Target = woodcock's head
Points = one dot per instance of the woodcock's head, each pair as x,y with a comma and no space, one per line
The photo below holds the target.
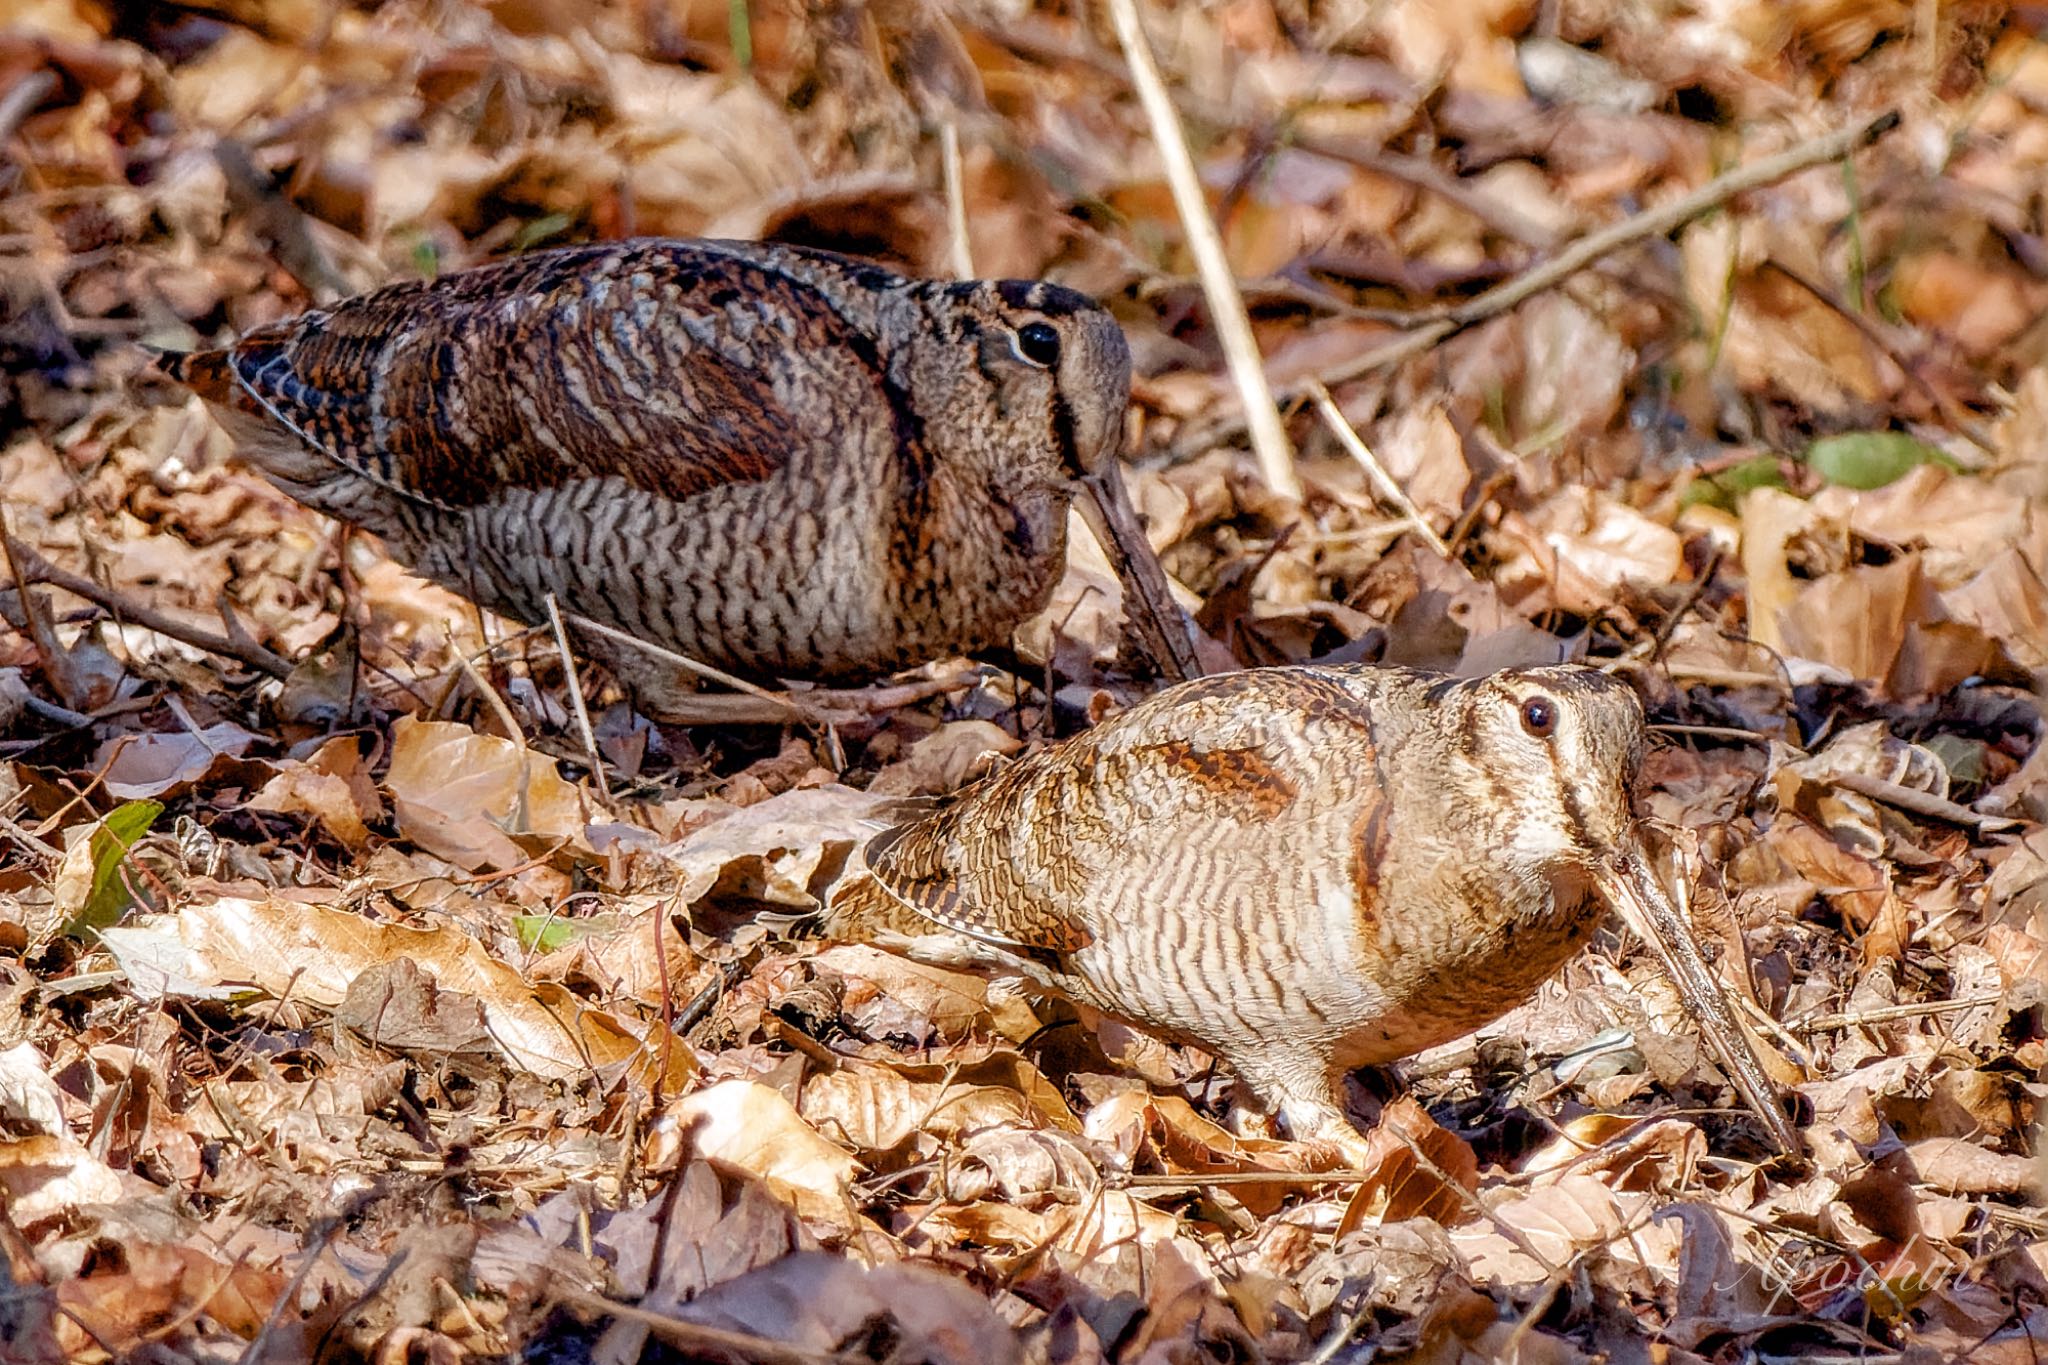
1551,756
1025,385
1542,763
1035,375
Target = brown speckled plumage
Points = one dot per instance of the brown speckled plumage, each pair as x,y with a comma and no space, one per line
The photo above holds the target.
1303,870
773,460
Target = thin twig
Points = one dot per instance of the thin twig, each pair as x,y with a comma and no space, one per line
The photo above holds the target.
1712,732
22,98
1670,217
1224,1179
822,707
1340,1336
1693,593
759,706
61,715
1226,305
1887,1013
27,841
323,1234
1921,803
689,665
1419,172
1469,1198
1707,675
494,701
796,1040
1789,1045
245,650
35,615
1041,43
1348,437
956,201
1584,251
696,1337
576,698
1952,412
298,247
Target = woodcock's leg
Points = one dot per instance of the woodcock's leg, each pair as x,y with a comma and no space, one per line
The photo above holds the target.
1304,1091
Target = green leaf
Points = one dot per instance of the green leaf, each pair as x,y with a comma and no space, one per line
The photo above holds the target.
537,230
1965,759
426,257
110,898
545,933
1871,459
1724,488
739,26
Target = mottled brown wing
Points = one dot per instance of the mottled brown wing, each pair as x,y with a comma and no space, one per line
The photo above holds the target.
956,869
654,362
1011,862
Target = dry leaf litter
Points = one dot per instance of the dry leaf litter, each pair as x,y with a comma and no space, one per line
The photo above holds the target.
348,1014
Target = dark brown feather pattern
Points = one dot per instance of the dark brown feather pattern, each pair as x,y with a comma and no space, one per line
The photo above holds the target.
774,460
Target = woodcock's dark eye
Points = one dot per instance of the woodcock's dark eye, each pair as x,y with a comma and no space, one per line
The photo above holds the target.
1039,343
1539,716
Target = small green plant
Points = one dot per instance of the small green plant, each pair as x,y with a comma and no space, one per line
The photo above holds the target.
111,896
1724,488
1871,459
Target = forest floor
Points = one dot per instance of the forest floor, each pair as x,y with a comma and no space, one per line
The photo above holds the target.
361,1001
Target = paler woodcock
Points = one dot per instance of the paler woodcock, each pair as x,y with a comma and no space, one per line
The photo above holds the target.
1304,870
775,461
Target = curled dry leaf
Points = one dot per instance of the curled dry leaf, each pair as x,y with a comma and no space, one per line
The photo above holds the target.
780,850
395,1005
333,786
320,1116
815,1301
1423,451
1624,1151
616,954
1562,1222
313,953
1725,1283
1770,518
946,759
1576,551
1415,1170
751,1126
1166,1129
719,1224
1007,1234
887,996
873,1110
1962,1167
466,797
53,1177
138,766
1571,385
29,1100
1020,1166
154,1282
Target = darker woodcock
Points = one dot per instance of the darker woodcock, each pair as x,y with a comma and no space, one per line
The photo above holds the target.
775,461
1303,870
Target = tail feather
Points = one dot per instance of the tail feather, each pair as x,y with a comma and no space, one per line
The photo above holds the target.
861,911
210,374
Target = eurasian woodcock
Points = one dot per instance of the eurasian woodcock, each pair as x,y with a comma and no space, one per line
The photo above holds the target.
776,461
1303,870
